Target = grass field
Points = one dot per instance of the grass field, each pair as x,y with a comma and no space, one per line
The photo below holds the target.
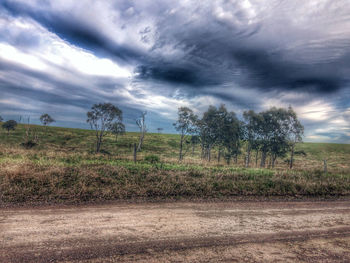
64,168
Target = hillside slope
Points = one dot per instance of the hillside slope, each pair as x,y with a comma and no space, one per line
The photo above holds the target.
64,168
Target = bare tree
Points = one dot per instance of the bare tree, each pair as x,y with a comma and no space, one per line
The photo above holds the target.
31,136
101,118
143,129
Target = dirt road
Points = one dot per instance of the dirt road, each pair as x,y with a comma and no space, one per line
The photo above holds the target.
178,232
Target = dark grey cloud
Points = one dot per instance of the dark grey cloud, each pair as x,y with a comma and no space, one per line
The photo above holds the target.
247,54
213,51
72,29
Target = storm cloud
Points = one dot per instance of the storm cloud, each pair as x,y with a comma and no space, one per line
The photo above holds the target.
159,55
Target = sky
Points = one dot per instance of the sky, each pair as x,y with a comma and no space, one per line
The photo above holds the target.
61,57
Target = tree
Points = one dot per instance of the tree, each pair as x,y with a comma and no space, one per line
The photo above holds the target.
272,132
9,126
194,141
159,130
250,134
1,119
222,128
185,125
208,131
117,128
46,119
231,135
295,133
31,135
228,131
101,118
140,122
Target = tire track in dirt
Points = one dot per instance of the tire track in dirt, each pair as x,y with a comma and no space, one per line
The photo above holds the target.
105,248
116,232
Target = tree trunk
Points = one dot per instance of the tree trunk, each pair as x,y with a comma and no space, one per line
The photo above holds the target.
209,153
99,141
256,158
273,160
236,158
269,165
291,157
181,145
219,155
247,158
192,149
142,135
263,159
135,152
98,145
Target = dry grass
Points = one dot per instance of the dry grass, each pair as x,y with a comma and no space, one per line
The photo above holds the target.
63,168
61,179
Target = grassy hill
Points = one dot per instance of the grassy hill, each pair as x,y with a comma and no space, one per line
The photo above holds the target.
64,168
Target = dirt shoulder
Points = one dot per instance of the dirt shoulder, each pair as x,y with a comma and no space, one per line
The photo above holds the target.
178,231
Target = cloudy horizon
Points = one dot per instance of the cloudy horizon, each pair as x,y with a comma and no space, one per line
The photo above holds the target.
60,57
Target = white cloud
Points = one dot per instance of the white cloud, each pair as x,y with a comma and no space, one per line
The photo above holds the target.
14,55
50,53
317,110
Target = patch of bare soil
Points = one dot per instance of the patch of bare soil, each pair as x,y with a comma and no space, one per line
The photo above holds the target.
178,232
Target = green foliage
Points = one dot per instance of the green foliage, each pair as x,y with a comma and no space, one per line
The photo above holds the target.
117,128
46,119
101,118
186,125
152,158
9,125
29,144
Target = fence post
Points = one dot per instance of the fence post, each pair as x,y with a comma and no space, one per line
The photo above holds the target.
135,152
325,166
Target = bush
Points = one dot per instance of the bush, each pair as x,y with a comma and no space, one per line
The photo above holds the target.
29,144
301,152
152,158
195,173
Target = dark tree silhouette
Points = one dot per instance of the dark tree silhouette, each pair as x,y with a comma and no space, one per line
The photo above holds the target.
9,126
46,119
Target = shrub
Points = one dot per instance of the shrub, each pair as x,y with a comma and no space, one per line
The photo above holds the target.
195,173
29,144
152,158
